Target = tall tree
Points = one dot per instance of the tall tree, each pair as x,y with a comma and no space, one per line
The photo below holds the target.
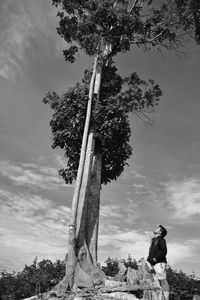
90,121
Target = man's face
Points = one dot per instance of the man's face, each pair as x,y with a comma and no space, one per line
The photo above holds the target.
157,231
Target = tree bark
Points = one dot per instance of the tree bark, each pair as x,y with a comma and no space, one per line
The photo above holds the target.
82,239
92,224
71,257
87,273
83,229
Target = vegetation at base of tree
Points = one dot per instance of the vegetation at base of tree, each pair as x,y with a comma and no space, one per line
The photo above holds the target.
41,276
37,278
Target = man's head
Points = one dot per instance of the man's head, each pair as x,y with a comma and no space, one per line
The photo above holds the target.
160,231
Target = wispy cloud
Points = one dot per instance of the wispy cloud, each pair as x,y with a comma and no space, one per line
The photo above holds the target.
114,214
120,243
25,26
184,199
110,211
32,208
33,175
119,239
31,226
180,251
137,174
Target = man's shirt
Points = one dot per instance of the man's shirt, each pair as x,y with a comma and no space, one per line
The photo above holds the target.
157,251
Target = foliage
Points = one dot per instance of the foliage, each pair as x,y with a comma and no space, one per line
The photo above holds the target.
118,98
189,14
182,285
92,26
42,276
111,265
89,25
37,278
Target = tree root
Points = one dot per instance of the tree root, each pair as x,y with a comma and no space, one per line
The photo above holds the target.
119,291
90,284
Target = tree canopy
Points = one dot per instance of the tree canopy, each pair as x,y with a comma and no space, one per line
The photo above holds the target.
90,25
110,122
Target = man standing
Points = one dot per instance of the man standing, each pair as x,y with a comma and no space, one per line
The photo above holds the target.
157,259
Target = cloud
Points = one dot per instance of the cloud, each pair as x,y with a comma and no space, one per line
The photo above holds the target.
25,26
116,237
30,226
31,208
120,243
138,186
137,174
22,205
110,211
119,239
33,175
184,199
59,160
178,252
112,215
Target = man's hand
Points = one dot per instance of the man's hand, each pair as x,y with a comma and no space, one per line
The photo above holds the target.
154,259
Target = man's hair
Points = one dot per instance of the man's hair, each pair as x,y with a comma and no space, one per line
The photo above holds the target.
163,231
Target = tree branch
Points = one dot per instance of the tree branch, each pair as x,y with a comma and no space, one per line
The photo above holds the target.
134,6
144,118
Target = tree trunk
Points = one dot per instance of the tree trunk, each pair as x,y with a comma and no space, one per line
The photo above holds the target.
87,272
71,257
81,260
81,267
92,224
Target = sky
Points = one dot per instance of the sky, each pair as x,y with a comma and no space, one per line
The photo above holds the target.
161,185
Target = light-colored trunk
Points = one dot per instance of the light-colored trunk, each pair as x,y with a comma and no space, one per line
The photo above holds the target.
76,240
83,228
83,203
71,255
86,272
92,224
83,148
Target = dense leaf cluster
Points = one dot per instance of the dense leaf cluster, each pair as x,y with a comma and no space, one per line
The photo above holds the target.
89,25
189,14
182,286
110,122
110,267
